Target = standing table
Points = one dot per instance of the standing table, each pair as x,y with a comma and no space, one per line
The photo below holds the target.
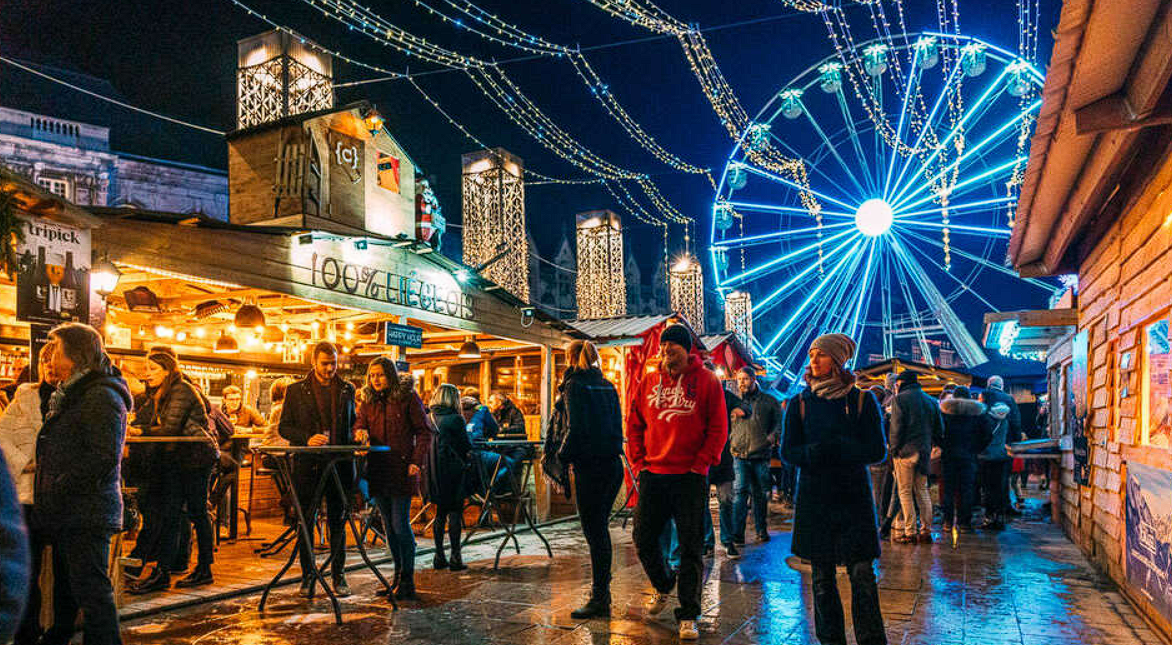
284,457
518,492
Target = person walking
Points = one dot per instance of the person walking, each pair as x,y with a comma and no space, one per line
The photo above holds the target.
19,425
391,414
447,465
175,407
76,488
722,477
677,426
915,420
752,437
994,461
587,437
993,394
833,431
967,430
319,411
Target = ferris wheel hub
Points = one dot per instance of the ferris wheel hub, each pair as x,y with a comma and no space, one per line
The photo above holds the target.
874,217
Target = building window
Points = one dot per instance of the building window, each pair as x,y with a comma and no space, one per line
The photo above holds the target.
59,187
1156,400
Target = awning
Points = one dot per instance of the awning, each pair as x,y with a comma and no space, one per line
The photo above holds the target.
1028,333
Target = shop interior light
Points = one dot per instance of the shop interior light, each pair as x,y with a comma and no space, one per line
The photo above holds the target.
104,276
226,344
181,336
199,332
469,349
250,316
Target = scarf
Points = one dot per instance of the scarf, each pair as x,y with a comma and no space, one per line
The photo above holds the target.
58,396
831,388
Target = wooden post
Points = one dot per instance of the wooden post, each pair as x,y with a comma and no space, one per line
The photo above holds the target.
545,408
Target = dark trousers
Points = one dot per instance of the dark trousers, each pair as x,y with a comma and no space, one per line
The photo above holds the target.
306,479
186,504
828,616
396,512
957,489
29,629
994,487
752,479
81,583
596,484
683,498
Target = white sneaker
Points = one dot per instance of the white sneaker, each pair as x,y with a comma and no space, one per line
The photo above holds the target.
688,631
657,603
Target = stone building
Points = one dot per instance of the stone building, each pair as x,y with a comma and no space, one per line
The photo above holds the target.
1096,201
96,154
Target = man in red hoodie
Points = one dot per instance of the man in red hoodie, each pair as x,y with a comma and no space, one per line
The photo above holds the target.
676,428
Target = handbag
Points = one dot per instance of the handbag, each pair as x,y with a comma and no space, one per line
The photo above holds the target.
555,437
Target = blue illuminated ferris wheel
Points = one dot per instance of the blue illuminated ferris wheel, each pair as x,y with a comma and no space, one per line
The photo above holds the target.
874,195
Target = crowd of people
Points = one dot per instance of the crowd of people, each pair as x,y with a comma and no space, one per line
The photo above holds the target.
856,464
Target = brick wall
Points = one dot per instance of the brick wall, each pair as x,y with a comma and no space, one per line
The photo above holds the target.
1124,282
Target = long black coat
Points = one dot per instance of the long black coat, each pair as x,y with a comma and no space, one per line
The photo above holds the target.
832,441
447,459
79,455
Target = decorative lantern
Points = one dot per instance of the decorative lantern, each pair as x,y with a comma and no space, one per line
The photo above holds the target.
1019,83
830,77
973,59
601,282
927,52
104,276
686,291
738,316
875,59
791,103
281,74
494,219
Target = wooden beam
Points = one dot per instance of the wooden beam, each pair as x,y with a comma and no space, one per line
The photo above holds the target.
1114,113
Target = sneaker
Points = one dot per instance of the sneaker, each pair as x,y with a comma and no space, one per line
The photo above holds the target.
731,552
656,604
688,631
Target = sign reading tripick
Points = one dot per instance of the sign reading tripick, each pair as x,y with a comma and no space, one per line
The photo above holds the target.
403,336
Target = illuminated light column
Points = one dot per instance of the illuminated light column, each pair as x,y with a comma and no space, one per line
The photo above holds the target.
279,74
686,291
601,284
494,219
738,316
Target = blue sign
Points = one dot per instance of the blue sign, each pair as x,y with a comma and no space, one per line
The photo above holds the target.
404,336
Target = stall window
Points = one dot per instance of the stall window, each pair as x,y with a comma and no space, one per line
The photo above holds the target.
1156,417
58,187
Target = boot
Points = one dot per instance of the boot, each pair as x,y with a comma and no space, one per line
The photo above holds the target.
440,561
597,607
456,563
158,580
202,575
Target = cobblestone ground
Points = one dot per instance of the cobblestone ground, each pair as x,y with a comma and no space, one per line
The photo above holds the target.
1026,586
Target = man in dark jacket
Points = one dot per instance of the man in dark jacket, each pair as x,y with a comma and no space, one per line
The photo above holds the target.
993,394
915,420
77,485
752,438
319,411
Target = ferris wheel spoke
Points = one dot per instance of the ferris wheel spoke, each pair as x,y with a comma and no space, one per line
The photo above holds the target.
770,301
1003,132
834,152
817,167
963,285
877,142
766,238
959,228
1007,166
913,79
855,143
980,106
778,178
917,322
770,208
900,215
928,123
980,260
779,262
826,280
868,280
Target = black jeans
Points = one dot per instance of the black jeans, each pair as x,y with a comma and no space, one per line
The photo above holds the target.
596,484
683,498
306,479
29,629
186,502
994,487
828,617
957,488
81,583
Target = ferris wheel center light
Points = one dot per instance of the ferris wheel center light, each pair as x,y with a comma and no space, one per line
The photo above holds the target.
874,217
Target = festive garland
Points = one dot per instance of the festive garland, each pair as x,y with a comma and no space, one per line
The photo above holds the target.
11,234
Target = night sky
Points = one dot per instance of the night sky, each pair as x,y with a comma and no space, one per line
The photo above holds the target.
179,58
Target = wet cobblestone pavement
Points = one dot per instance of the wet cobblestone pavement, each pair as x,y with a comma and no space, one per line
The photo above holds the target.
1026,586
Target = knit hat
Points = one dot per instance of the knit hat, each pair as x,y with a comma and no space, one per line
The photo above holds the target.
907,376
164,357
995,383
840,347
677,334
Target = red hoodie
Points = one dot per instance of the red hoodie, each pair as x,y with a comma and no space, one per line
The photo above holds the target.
677,424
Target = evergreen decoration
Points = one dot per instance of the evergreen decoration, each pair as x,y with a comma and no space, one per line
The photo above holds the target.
11,234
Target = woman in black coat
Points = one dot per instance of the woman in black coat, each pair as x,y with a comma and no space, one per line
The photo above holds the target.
175,407
447,463
967,429
833,431
587,436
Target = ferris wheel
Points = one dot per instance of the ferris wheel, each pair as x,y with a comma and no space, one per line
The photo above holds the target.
874,195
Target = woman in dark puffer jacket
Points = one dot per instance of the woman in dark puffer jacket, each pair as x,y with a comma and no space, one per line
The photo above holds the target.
967,428
447,464
175,407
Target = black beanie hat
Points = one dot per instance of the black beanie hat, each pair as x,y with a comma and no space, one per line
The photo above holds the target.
677,334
